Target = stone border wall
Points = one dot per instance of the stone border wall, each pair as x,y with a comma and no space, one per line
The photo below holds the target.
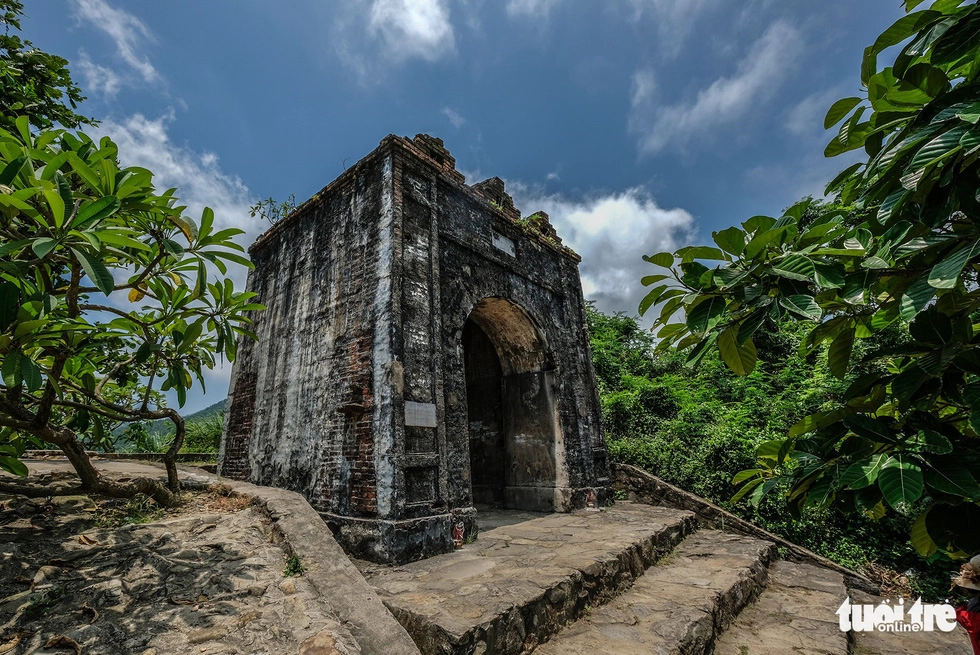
143,457
644,487
300,531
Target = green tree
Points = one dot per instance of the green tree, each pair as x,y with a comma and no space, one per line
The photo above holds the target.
34,83
106,296
900,247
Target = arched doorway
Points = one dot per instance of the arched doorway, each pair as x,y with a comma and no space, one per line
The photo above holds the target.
510,399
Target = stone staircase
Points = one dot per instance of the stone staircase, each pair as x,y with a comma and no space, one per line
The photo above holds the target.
630,579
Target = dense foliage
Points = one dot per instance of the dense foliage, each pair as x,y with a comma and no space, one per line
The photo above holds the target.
900,247
105,295
34,83
109,294
698,427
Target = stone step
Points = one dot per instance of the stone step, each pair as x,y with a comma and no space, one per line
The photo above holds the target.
678,606
935,642
518,585
795,614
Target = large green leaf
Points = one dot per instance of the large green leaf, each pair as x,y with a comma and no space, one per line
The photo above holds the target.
938,148
900,481
11,170
740,358
875,429
731,240
30,373
96,271
932,442
749,325
953,480
652,279
795,267
921,541
664,259
903,28
839,110
11,369
863,473
690,253
761,240
917,297
705,312
96,211
839,354
803,306
946,273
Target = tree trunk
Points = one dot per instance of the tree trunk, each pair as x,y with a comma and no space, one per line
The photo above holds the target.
92,480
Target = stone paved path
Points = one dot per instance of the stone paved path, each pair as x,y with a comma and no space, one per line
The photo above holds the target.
199,581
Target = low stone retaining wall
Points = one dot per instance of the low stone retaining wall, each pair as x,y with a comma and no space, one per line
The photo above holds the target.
644,487
301,531
142,457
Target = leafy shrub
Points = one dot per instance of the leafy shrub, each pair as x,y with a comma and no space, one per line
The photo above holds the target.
696,428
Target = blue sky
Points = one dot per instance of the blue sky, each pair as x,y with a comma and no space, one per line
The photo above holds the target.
638,125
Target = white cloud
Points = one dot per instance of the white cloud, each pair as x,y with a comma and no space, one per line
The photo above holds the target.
126,31
98,79
675,19
200,183
413,29
611,232
724,102
197,176
530,8
454,117
806,118
369,36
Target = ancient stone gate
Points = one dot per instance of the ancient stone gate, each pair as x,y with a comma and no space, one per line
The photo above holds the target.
424,352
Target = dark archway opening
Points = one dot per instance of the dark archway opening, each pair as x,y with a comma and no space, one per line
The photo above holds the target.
510,399
484,404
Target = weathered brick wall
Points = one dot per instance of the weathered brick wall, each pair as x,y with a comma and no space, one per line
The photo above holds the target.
368,287
420,487
543,279
303,396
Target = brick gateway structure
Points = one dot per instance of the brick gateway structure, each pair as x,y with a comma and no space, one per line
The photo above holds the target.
424,352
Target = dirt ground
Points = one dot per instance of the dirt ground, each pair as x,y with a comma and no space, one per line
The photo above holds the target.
94,575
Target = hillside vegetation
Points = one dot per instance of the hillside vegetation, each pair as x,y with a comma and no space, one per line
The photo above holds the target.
698,427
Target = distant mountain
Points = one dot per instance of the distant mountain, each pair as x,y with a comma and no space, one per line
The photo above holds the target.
216,408
163,426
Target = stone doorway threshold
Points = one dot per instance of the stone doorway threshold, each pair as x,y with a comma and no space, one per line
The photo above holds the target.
489,517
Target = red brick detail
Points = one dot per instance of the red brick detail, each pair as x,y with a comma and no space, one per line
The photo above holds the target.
235,464
359,434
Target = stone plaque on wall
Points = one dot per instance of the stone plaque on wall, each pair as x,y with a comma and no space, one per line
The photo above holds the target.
420,415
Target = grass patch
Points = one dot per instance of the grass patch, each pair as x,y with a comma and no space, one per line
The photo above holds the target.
293,567
132,511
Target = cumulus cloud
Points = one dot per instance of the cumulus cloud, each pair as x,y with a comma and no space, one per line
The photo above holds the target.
367,36
200,183
125,30
98,79
724,102
530,8
198,176
454,117
611,232
413,28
